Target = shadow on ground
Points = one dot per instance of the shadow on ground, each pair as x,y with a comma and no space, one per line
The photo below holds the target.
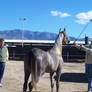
34,91
73,77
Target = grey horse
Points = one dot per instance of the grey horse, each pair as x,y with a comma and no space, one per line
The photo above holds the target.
38,61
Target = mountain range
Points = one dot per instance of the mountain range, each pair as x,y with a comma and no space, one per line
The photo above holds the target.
30,35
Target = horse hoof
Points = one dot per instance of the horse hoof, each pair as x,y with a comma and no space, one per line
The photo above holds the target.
24,90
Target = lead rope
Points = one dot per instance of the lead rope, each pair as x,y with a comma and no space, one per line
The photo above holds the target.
83,29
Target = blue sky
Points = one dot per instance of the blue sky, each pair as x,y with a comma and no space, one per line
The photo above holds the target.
47,15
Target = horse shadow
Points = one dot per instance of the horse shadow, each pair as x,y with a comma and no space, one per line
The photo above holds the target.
32,91
35,91
73,77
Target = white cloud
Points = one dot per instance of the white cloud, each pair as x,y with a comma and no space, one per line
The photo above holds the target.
64,15
84,17
60,14
55,13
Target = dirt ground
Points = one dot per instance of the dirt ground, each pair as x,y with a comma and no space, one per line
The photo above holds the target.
72,78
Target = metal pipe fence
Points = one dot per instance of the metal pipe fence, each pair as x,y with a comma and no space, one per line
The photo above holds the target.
69,52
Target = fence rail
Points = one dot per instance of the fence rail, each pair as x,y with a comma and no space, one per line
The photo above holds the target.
69,51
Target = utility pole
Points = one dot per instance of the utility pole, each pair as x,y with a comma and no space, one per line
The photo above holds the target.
22,19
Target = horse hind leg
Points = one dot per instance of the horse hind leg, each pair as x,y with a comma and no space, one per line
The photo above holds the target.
51,79
31,83
30,86
58,73
26,81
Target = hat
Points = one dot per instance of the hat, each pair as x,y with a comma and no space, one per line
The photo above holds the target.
1,39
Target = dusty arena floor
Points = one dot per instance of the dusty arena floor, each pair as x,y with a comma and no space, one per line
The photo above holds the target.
72,78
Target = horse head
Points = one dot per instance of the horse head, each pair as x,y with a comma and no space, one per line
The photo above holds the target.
65,38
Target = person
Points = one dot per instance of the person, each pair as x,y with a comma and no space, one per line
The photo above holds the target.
3,58
88,63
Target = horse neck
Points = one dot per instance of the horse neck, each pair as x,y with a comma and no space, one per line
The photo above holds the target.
58,47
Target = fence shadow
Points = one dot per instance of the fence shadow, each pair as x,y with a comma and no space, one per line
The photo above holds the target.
73,77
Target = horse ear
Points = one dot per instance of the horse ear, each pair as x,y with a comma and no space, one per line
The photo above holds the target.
64,29
59,30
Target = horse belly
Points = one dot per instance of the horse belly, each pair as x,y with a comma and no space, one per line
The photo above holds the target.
51,68
48,70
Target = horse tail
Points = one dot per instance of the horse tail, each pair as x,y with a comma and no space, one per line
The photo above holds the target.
34,71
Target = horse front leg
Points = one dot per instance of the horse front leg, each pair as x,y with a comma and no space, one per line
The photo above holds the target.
51,80
27,74
58,73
